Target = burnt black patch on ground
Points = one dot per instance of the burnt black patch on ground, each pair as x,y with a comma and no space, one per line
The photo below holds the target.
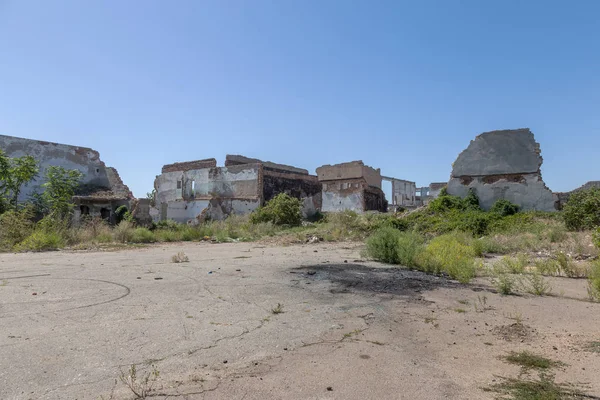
360,278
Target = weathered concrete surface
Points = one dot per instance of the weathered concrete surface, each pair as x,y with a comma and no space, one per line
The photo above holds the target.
186,194
404,193
351,186
502,165
71,321
83,159
350,170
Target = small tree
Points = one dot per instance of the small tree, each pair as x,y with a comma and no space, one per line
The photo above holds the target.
59,189
14,173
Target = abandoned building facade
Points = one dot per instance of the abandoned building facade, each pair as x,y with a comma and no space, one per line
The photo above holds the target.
101,190
496,165
191,192
351,186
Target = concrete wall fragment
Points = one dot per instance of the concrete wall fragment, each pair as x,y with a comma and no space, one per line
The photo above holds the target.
502,165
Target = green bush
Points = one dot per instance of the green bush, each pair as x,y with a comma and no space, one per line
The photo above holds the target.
504,208
410,245
445,203
449,254
383,245
142,235
42,240
594,281
15,226
280,210
503,279
395,247
596,238
582,210
123,232
471,201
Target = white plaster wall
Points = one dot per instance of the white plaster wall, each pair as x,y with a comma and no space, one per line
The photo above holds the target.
166,187
334,202
530,195
183,211
85,160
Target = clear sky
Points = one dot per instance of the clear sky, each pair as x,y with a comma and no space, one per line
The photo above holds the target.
402,85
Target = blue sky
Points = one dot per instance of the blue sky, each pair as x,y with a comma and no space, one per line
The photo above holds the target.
402,85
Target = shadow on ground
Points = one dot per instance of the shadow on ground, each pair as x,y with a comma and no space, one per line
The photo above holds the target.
360,278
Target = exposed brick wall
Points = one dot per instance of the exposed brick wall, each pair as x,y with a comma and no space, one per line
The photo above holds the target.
296,185
190,165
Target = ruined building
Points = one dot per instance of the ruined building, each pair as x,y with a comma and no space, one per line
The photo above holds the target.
101,191
404,194
351,186
502,165
190,192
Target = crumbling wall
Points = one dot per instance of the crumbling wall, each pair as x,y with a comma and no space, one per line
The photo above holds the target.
350,170
351,186
280,178
404,193
344,195
268,165
189,165
374,200
83,159
502,165
209,193
304,187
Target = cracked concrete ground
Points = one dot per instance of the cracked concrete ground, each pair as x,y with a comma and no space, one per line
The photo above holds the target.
350,329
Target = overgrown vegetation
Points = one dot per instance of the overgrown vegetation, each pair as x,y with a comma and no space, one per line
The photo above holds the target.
582,211
281,210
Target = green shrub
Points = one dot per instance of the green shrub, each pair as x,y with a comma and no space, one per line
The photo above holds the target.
515,265
449,254
383,245
280,210
42,240
122,213
445,203
123,232
166,235
596,238
395,247
503,279
471,201
142,235
15,226
547,266
536,284
582,210
567,266
410,245
594,281
474,222
504,208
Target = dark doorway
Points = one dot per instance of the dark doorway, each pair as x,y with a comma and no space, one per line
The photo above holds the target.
85,210
105,214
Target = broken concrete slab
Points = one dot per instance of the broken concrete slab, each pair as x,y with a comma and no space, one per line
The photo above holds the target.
502,164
